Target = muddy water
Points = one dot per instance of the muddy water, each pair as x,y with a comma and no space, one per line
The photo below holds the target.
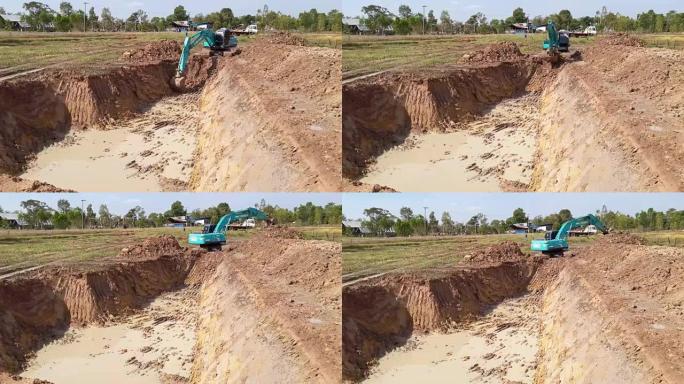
486,155
500,346
144,154
143,350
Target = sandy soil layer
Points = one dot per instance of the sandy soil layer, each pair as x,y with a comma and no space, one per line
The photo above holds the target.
493,153
151,152
152,346
272,122
499,347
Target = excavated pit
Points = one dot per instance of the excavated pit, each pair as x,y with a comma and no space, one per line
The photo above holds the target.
264,308
122,128
511,122
611,312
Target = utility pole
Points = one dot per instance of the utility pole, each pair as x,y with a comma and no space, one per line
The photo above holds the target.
424,6
85,15
426,220
82,215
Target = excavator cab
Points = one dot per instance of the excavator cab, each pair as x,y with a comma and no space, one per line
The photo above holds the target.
549,235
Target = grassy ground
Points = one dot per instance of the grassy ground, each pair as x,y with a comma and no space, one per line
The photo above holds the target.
669,238
22,51
367,54
367,256
25,249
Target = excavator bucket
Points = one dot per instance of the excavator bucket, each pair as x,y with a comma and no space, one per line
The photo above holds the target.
178,83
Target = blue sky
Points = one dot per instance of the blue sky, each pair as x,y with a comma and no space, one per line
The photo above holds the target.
120,203
462,206
164,8
462,9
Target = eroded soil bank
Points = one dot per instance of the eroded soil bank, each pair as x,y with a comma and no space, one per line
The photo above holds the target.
620,122
613,311
159,313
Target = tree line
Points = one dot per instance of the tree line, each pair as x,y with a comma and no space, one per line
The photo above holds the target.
39,215
69,18
405,21
381,222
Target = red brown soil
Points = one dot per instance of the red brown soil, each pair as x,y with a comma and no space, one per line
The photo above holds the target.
153,52
495,53
505,251
628,116
382,313
40,306
638,292
285,100
280,232
622,39
380,112
285,38
17,184
293,287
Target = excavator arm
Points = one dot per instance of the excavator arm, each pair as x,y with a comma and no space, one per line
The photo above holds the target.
205,36
551,44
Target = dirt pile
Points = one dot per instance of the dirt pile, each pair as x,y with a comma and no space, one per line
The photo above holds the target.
17,184
162,50
285,138
272,314
622,238
38,307
495,53
285,38
382,313
621,38
502,252
280,232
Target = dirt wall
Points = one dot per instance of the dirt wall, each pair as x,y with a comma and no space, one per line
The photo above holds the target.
257,136
382,313
38,307
380,112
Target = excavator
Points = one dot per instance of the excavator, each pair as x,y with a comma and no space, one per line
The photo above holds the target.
556,43
217,42
556,242
213,237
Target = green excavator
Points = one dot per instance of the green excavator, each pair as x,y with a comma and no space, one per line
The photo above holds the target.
217,42
213,237
556,43
556,242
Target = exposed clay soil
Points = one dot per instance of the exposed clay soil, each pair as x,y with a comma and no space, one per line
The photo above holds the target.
272,121
609,311
271,301
262,125
600,108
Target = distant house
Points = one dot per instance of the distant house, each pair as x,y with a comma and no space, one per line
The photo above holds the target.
181,26
15,22
522,28
354,228
13,220
520,228
354,26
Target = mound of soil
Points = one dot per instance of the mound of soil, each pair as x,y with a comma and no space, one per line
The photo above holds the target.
285,38
167,50
280,232
505,251
17,184
622,238
621,38
494,53
152,248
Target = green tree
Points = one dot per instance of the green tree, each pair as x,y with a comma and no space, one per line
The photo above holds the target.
405,12
37,14
179,14
65,8
433,224
519,216
518,16
377,18
107,21
403,228
379,220
447,223
36,213
406,213
177,209
105,216
61,220
63,205
565,19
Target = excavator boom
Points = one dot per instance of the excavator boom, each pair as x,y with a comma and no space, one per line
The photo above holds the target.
216,41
